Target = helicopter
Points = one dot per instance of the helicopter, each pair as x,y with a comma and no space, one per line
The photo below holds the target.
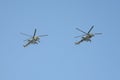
34,39
87,35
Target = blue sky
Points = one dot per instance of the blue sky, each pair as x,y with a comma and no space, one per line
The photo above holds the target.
56,57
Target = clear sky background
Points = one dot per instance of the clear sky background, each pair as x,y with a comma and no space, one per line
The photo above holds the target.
57,57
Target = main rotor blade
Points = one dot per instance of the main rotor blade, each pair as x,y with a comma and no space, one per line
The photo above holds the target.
79,36
42,35
90,29
97,33
81,30
34,33
26,34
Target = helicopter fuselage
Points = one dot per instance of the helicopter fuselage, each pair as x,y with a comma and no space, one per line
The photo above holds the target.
34,40
87,37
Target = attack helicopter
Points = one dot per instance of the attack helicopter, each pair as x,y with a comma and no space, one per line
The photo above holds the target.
34,39
87,35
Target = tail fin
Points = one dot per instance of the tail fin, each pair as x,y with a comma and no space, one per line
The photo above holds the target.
24,45
79,42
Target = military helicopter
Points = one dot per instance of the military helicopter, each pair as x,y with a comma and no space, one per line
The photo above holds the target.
34,39
87,35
